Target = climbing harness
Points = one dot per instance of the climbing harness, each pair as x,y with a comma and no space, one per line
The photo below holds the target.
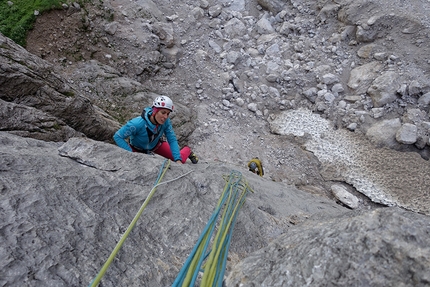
233,198
157,183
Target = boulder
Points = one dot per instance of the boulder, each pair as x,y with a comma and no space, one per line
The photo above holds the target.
342,194
361,77
383,133
383,89
407,134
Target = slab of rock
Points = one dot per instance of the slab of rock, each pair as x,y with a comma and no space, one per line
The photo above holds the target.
342,194
385,247
65,207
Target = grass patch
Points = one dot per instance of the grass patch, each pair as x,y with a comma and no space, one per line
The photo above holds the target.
17,16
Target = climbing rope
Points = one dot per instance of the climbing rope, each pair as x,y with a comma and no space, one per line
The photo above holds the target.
157,183
233,197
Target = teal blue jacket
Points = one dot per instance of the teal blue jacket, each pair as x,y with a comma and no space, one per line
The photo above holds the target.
144,135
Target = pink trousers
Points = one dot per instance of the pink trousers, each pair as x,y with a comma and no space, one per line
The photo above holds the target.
163,149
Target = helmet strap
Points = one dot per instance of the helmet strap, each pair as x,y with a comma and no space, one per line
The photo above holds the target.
155,110
152,115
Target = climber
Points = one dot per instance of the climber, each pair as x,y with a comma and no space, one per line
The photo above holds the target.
256,166
148,133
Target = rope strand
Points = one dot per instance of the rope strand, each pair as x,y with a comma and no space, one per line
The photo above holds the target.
99,276
214,268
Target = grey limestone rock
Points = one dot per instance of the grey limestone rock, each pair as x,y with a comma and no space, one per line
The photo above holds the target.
29,81
362,76
344,196
407,134
385,247
384,133
65,207
383,89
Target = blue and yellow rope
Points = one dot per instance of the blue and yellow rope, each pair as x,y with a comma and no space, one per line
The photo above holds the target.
233,197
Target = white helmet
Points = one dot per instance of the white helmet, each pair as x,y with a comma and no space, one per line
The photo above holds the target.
163,102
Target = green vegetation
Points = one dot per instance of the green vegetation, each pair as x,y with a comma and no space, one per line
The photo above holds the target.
56,126
17,16
69,94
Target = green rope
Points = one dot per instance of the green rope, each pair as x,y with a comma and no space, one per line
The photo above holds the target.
132,224
213,274
233,196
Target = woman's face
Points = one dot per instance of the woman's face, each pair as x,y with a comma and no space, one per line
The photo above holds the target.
162,115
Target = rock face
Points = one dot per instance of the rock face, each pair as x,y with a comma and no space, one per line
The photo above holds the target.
64,208
239,62
378,248
323,93
31,92
36,102
30,122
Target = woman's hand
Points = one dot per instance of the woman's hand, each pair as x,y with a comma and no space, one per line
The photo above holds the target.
178,161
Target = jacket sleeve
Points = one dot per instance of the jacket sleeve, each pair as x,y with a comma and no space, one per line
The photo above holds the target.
173,142
122,134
